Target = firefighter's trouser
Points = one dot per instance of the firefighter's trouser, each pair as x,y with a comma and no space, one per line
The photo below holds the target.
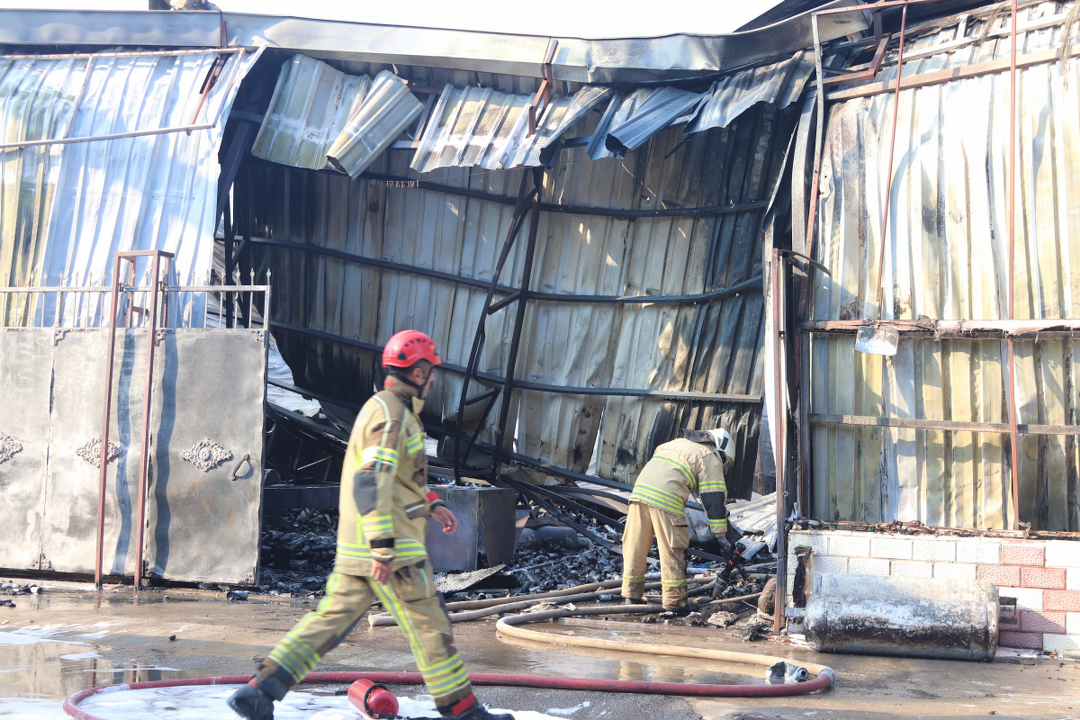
409,597
672,535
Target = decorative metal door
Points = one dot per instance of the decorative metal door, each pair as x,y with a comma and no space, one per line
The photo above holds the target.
203,504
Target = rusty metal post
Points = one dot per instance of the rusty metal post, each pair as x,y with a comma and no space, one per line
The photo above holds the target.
1011,204
780,423
888,176
519,322
151,340
229,246
103,460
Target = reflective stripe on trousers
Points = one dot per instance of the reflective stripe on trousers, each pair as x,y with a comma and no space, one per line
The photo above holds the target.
643,523
410,598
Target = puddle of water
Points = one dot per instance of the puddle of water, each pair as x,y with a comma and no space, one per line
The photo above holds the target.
208,703
38,669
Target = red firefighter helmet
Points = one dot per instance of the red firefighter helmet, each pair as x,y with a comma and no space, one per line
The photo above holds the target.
408,347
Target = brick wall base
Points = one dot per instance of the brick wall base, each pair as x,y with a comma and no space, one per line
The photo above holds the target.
1043,575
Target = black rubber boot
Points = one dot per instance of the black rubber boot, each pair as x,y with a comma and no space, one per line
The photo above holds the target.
471,709
681,611
252,703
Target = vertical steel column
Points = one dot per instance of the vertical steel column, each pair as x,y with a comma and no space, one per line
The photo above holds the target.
1011,204
103,459
148,388
522,304
888,177
780,422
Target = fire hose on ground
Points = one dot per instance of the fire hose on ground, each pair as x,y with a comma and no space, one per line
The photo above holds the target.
510,626
825,678
476,609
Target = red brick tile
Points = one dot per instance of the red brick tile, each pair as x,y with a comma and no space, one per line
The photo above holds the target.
1048,578
1023,554
1000,575
1033,621
1030,641
1065,600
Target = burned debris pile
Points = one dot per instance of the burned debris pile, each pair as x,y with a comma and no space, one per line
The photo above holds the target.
297,551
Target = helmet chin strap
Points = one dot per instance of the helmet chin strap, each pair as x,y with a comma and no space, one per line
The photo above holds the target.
403,376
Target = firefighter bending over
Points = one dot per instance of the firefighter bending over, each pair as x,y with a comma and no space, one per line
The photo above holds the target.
693,464
384,505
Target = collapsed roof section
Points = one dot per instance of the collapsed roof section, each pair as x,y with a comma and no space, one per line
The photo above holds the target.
315,107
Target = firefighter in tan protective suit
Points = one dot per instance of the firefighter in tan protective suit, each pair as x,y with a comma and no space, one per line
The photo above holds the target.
384,505
693,464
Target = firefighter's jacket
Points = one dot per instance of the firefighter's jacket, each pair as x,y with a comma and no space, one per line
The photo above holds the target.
385,501
679,468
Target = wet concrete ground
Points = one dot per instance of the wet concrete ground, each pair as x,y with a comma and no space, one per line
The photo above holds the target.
102,639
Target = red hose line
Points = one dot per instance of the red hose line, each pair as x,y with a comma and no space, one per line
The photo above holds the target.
822,681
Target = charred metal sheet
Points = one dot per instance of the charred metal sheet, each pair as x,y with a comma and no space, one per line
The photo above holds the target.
284,497
206,487
709,347
311,105
779,84
946,258
69,207
383,115
646,112
480,127
485,523
907,617
630,60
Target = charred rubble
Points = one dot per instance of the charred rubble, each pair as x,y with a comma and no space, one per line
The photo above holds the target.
298,553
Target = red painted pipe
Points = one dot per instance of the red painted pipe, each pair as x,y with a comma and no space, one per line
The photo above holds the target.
822,681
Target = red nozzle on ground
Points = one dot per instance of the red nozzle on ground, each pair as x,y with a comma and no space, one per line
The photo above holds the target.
380,701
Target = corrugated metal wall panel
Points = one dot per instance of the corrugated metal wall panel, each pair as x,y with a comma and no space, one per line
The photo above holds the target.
713,347
312,103
91,199
481,127
947,259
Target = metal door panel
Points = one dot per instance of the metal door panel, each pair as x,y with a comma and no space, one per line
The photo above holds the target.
204,525
24,442
71,497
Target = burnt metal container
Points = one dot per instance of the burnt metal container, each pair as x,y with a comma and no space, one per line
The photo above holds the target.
868,615
485,518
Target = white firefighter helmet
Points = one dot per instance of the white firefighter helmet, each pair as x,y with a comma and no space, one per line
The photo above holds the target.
724,444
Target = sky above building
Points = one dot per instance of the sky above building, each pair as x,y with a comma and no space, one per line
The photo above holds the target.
565,18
